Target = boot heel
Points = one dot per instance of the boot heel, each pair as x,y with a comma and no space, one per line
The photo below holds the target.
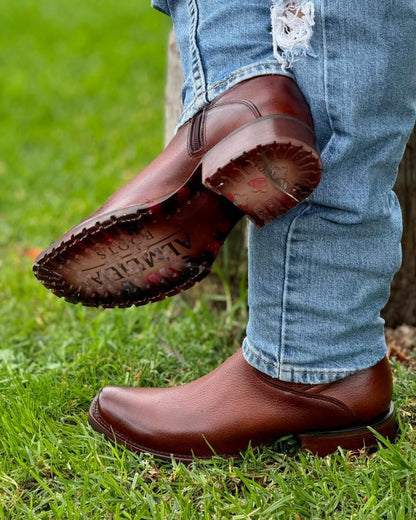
265,168
324,443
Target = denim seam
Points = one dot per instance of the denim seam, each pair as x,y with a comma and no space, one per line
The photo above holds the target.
256,355
319,371
198,75
325,66
285,289
267,67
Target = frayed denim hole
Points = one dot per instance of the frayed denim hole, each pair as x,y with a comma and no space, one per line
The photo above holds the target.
292,22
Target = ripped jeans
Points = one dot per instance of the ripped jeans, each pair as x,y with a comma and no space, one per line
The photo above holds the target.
320,275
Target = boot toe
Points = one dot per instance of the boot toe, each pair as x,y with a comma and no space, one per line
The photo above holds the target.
107,414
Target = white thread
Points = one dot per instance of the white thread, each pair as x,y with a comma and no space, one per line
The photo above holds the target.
292,23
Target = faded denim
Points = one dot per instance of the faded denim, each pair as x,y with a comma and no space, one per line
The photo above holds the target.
320,275
220,45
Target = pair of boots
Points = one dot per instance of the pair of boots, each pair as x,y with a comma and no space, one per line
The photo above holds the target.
252,151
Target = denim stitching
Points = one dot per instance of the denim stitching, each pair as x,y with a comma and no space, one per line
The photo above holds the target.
198,75
289,237
257,356
325,65
319,371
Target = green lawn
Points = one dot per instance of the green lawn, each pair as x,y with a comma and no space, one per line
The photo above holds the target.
81,110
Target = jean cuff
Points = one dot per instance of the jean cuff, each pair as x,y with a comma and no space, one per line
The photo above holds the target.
292,374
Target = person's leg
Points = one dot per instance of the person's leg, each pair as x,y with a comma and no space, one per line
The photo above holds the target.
245,146
315,296
318,275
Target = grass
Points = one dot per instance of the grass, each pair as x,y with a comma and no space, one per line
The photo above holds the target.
81,84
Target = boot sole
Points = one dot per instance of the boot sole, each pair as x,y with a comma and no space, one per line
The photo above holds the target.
320,443
143,254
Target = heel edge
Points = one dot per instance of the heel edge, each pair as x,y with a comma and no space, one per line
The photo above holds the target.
326,442
265,168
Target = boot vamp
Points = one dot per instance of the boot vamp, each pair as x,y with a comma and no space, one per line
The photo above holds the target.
225,409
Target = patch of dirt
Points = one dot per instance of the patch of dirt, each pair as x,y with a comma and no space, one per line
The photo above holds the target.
401,344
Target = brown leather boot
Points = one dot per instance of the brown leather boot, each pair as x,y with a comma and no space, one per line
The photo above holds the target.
252,150
236,404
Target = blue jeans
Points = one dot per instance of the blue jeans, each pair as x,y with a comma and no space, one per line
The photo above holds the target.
320,275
